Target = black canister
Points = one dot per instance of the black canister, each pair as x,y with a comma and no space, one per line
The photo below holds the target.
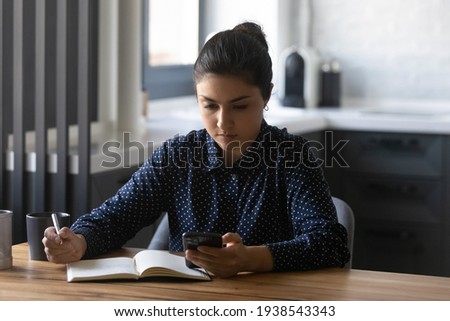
330,85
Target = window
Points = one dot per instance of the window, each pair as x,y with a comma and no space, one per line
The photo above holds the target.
175,29
173,32
170,46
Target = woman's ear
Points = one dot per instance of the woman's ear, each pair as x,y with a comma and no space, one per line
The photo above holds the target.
269,94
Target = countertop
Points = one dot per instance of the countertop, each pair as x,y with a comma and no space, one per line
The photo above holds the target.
418,117
177,116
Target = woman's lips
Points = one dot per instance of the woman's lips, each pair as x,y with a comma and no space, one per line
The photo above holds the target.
226,138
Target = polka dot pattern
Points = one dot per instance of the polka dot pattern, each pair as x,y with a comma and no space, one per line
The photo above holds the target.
274,195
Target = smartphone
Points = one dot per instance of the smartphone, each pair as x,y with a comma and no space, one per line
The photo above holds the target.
193,239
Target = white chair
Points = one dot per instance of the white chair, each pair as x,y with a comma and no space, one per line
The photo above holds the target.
160,240
347,219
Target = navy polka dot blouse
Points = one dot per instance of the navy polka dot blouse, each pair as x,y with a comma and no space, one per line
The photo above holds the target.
274,195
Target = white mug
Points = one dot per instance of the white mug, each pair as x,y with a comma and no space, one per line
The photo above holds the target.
5,239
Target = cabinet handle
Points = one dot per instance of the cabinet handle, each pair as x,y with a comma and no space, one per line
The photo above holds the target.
394,144
409,190
401,235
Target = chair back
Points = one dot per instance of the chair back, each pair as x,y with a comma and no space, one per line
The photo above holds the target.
347,219
160,240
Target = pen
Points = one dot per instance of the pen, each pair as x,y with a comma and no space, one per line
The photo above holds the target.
56,223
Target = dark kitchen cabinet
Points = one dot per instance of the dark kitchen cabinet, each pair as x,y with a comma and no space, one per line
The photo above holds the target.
398,187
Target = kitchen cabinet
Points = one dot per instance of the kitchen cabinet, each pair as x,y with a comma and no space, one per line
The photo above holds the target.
397,185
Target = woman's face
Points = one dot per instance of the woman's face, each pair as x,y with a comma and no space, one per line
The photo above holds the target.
231,111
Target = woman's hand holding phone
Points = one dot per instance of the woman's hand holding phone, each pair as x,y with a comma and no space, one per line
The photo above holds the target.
191,240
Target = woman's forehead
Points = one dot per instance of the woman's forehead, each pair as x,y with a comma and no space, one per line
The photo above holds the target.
225,88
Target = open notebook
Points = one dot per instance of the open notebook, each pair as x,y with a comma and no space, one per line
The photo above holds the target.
147,263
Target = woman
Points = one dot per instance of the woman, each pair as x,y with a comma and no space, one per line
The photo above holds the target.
253,183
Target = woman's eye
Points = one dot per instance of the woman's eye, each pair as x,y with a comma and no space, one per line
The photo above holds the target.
209,106
240,106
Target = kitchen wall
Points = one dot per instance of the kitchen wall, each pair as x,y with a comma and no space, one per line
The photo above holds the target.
225,14
388,49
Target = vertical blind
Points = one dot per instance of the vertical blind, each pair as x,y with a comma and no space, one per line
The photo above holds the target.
48,83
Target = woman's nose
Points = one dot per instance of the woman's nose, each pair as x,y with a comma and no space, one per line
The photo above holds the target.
224,119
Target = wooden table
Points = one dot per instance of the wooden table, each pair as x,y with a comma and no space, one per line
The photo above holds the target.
40,280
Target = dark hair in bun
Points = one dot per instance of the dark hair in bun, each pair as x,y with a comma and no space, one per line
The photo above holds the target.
242,52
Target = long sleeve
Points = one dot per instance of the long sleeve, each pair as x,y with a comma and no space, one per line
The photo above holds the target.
135,205
295,215
319,240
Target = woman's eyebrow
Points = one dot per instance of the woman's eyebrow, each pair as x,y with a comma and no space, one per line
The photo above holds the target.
238,98
231,101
